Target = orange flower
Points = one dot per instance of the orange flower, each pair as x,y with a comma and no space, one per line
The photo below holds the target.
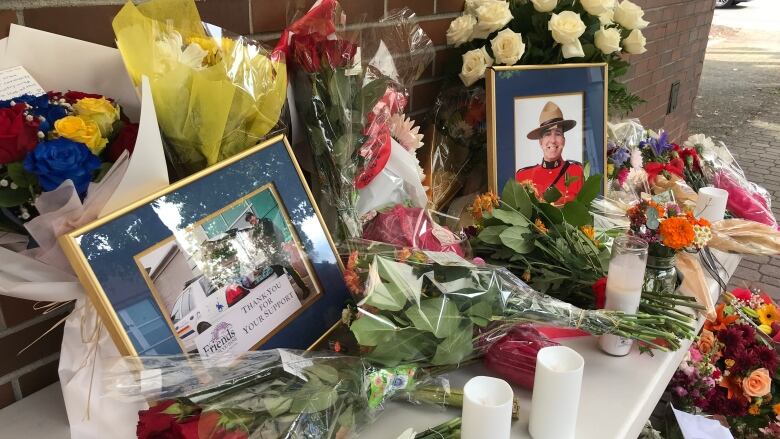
758,383
590,232
403,254
707,341
733,386
353,282
753,410
676,232
352,261
483,203
540,226
721,320
776,409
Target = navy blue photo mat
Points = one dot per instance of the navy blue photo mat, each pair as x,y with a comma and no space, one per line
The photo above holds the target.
511,84
111,247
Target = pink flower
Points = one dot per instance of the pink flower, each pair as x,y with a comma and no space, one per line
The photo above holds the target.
695,355
742,294
478,261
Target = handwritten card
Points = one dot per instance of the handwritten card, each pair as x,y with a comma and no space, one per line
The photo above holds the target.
16,81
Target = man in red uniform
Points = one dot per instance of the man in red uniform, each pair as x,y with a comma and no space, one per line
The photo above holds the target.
565,175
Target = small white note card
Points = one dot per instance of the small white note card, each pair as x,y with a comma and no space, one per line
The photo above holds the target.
17,81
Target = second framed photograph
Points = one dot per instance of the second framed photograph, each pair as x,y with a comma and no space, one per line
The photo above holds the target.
547,126
231,259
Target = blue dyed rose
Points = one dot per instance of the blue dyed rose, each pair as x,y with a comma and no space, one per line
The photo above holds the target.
61,159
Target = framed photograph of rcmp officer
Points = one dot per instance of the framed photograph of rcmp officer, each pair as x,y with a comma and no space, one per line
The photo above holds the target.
233,258
546,126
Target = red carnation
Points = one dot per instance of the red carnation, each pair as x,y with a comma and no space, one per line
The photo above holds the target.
600,292
124,141
75,96
742,294
17,135
306,52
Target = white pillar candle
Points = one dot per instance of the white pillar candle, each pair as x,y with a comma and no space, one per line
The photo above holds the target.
624,291
487,409
556,395
711,204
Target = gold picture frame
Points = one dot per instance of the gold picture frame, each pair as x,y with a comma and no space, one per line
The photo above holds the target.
70,244
492,127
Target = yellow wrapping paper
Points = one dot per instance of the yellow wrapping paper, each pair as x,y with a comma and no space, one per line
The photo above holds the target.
694,283
214,96
745,237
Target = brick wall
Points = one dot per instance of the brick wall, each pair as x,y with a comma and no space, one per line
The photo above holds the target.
677,39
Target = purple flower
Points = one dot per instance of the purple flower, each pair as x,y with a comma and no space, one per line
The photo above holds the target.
619,156
680,391
659,146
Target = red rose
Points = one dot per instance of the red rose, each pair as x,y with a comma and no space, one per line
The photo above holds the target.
305,52
124,141
209,427
600,292
742,294
319,21
17,135
339,53
153,423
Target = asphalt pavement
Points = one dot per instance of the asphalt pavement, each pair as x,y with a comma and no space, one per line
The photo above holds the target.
739,103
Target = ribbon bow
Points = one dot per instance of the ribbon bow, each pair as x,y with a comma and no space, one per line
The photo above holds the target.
675,166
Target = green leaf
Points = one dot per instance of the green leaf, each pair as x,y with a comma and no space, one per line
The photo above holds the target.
385,296
371,330
314,401
491,234
569,179
327,374
400,276
407,345
277,405
515,195
371,93
517,239
19,176
502,253
439,316
511,217
551,213
576,213
456,347
480,313
590,190
552,194
13,197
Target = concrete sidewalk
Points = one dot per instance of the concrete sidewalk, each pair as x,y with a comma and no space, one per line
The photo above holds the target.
739,103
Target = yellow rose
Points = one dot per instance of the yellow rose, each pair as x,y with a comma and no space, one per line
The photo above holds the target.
100,110
82,130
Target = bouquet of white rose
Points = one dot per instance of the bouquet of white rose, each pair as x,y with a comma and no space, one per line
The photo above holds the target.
498,32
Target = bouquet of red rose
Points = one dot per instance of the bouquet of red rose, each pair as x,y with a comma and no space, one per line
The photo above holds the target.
353,114
269,394
54,139
731,370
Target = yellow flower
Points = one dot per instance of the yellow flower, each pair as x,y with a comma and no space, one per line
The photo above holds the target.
540,226
216,50
526,276
81,130
99,110
768,314
766,329
729,363
753,410
590,232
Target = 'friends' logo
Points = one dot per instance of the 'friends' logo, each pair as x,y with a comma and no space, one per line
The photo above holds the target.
223,337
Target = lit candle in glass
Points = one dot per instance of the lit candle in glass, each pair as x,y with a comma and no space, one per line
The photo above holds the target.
624,286
487,409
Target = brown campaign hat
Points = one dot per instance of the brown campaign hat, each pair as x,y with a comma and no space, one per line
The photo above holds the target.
551,115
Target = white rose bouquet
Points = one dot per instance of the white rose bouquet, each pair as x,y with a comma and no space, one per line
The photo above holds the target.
501,32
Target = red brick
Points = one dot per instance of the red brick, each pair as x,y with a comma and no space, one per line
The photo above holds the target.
423,95
39,378
273,17
6,395
6,18
231,15
437,30
16,311
13,343
88,23
449,6
419,7
363,11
